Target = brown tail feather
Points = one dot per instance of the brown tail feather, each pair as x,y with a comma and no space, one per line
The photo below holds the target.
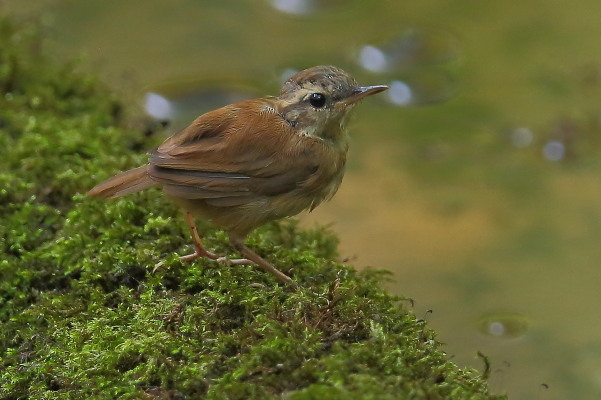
125,183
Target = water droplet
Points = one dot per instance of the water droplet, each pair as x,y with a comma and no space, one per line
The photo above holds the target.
522,137
554,150
508,325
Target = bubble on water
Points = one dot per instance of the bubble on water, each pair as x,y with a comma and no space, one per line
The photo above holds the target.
554,150
508,325
496,328
372,59
293,6
306,7
158,106
399,93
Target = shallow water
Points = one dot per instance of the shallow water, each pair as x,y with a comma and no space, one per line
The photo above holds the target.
477,180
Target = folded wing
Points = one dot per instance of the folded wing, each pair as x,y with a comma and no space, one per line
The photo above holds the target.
232,156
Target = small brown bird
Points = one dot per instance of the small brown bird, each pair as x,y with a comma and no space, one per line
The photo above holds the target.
255,161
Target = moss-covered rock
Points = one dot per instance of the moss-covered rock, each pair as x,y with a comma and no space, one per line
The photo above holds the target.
84,315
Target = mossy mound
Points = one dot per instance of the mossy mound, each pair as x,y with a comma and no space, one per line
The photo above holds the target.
84,315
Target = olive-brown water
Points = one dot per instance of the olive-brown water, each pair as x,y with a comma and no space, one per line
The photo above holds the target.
476,179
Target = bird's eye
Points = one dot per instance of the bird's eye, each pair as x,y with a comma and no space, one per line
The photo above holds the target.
317,100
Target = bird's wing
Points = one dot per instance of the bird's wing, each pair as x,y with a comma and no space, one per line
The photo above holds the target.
233,155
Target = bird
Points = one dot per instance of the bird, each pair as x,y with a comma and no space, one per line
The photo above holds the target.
255,161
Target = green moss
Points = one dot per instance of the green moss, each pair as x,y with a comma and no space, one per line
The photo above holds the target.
84,315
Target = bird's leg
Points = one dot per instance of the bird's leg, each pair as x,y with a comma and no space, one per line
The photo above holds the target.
199,250
202,252
238,244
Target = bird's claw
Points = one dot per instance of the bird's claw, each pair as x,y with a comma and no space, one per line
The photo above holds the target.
234,261
212,256
157,266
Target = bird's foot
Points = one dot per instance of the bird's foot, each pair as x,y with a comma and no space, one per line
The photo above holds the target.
198,254
191,257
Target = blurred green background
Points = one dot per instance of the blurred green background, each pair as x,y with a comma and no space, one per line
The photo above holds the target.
476,179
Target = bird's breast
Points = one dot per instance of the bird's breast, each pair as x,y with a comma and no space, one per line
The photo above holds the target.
329,160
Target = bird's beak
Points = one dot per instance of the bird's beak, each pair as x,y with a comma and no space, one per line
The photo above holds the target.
363,91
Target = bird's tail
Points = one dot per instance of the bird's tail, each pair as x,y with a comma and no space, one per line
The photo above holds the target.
125,183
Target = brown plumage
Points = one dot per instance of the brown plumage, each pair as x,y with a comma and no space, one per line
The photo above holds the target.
255,161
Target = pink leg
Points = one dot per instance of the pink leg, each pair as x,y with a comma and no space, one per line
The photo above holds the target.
250,255
199,250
